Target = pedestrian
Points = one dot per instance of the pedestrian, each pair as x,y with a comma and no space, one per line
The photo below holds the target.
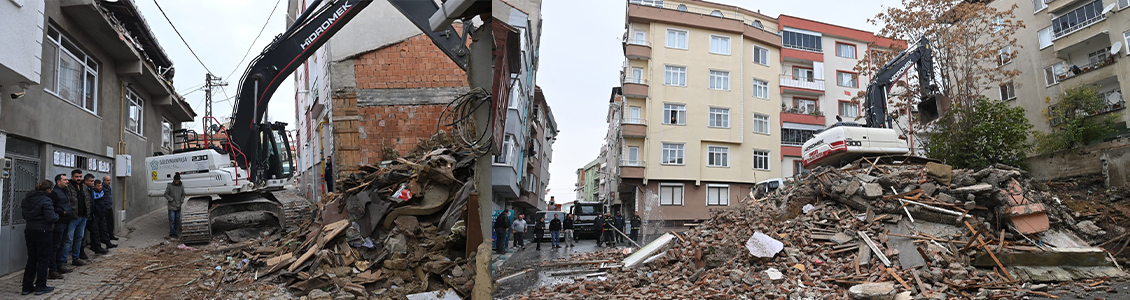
92,218
501,228
40,217
568,226
80,206
102,208
174,194
609,224
107,186
62,201
555,230
619,219
599,223
636,222
519,230
539,231
328,174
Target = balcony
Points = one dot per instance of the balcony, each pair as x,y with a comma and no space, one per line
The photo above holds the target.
1055,6
794,115
637,49
1113,99
804,84
1092,72
1078,25
632,168
635,87
633,128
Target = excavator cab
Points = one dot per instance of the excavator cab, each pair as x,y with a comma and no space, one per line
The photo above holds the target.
275,151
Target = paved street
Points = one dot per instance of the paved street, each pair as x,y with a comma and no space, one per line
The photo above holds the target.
529,258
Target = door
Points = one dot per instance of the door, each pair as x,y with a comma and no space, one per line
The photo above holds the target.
637,75
25,173
802,74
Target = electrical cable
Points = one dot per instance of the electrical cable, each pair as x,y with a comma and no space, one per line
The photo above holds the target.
252,46
181,36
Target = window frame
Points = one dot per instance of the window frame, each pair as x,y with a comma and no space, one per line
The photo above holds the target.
628,156
719,200
764,155
723,156
815,104
1036,5
685,41
635,115
795,73
90,65
759,118
674,187
1008,91
854,79
799,44
681,75
680,113
131,103
1051,70
1001,61
508,149
854,48
857,109
726,39
1039,36
723,117
757,51
723,78
166,136
756,88
676,148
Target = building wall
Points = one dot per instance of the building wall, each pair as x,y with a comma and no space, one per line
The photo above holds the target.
15,67
694,205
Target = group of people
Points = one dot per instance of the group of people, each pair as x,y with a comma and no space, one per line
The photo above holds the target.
58,215
560,229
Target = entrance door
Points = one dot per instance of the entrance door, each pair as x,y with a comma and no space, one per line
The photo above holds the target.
25,174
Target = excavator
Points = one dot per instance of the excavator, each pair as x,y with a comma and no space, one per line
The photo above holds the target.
848,141
229,180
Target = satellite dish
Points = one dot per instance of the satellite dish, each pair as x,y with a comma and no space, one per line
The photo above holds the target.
1108,8
1117,47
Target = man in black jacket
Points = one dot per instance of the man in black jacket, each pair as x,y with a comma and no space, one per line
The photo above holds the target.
636,222
100,231
568,226
62,201
76,230
501,229
107,185
619,226
539,231
555,230
39,213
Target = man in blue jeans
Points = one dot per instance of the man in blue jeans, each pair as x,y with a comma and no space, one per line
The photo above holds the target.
174,193
555,230
501,231
76,229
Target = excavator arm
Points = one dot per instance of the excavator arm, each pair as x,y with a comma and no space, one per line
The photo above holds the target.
919,55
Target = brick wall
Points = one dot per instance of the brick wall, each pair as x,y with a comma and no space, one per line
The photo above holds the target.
400,127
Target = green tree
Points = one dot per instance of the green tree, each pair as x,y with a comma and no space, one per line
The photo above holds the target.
1077,119
991,131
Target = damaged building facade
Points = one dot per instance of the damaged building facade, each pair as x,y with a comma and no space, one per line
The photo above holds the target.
98,69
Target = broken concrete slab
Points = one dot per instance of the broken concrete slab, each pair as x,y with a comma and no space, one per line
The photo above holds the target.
974,189
761,245
908,252
873,291
941,173
1075,257
647,251
1064,273
872,190
840,238
774,274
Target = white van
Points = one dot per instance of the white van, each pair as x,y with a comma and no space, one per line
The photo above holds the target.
763,188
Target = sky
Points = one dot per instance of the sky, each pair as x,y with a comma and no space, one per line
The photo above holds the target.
220,32
581,57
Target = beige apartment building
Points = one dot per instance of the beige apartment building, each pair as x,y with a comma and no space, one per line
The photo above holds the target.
700,86
1067,43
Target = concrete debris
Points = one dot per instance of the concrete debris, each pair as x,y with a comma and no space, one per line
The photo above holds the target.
774,274
761,245
873,291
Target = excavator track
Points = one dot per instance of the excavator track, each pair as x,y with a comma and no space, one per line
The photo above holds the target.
195,223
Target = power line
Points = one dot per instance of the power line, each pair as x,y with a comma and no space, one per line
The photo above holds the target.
181,36
252,46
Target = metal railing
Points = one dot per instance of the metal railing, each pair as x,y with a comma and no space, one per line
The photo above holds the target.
634,121
1077,27
802,82
635,80
798,47
631,163
638,42
1072,72
709,12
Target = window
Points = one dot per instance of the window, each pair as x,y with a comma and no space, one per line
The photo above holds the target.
515,95
845,50
634,115
716,13
719,117
637,76
670,194
1039,5
1008,91
719,80
1052,73
1098,56
757,24
798,165
761,123
849,109
682,7
760,88
677,38
675,114
673,154
1077,19
719,44
135,109
998,23
166,134
676,76
68,72
804,105
632,156
801,41
847,79
639,37
717,195
1045,36
760,159
1126,38
1123,4
803,74
796,137
507,151
1005,56
717,156
760,55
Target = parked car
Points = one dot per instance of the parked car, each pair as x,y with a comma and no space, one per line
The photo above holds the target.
763,188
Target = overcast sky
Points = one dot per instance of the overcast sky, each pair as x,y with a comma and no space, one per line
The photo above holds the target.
581,56
220,31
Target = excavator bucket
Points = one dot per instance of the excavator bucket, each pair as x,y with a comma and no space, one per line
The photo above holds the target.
931,108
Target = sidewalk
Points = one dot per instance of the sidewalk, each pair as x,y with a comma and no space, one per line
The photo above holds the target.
98,280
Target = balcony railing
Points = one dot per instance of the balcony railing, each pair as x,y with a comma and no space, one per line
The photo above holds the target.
1113,101
631,163
1072,71
799,47
634,121
635,80
709,12
638,42
802,82
1076,27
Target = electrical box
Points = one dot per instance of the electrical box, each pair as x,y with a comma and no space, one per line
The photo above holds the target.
5,168
123,165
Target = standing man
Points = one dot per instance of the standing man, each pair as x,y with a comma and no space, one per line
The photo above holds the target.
80,205
568,225
501,228
555,230
174,194
598,224
62,201
107,186
539,231
39,213
609,223
636,222
102,206
92,218
328,174
519,230
619,226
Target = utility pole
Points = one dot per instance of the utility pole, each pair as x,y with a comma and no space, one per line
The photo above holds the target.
209,82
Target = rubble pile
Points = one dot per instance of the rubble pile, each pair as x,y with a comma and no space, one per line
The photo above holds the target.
865,231
396,229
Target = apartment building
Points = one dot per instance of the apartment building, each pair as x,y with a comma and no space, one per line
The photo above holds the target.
97,95
588,182
699,84
817,81
1067,43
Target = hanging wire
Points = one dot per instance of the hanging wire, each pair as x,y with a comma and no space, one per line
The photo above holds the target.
459,115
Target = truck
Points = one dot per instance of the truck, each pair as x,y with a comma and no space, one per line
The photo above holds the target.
587,213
